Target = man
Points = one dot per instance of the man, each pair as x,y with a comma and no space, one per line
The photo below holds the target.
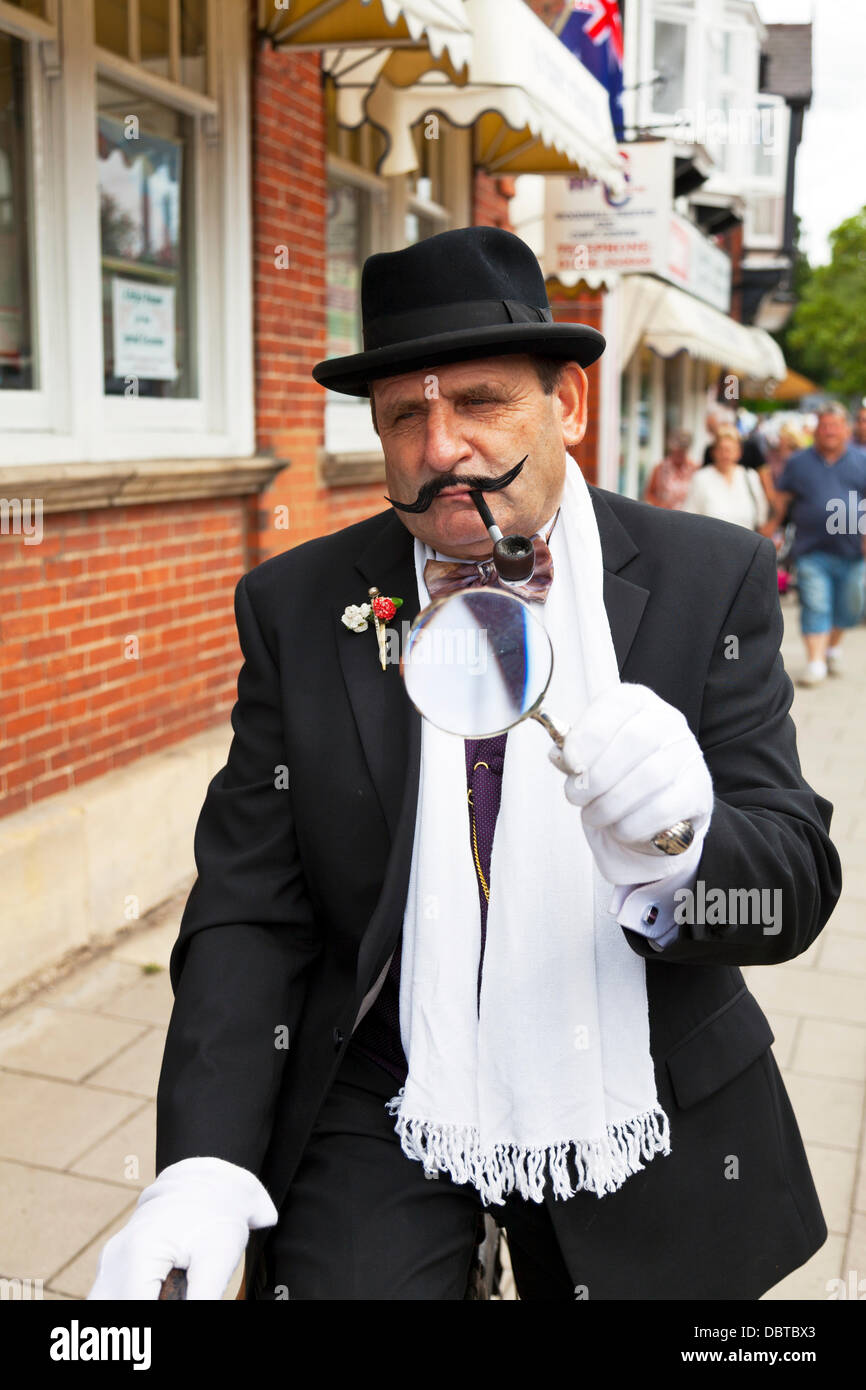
860,428
824,485
576,1046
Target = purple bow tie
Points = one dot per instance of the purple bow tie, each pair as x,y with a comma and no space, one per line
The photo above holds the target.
450,576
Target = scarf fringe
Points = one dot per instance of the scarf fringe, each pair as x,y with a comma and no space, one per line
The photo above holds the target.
601,1165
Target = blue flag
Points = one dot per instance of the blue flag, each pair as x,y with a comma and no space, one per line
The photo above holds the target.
593,33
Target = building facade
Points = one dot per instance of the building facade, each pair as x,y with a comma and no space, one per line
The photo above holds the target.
187,196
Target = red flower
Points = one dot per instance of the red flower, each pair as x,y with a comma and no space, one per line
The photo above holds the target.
384,609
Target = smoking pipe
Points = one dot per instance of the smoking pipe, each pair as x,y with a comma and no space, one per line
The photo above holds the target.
513,556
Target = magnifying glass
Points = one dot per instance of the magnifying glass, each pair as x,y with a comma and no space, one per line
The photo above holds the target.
479,662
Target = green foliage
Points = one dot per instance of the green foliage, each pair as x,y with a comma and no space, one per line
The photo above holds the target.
826,335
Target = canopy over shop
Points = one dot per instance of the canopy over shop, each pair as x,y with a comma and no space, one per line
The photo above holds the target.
673,347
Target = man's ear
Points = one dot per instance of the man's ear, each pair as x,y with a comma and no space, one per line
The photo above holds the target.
573,395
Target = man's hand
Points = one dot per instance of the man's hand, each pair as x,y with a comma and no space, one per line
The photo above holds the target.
635,768
197,1216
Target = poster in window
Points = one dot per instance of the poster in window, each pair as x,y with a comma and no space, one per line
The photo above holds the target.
143,329
139,196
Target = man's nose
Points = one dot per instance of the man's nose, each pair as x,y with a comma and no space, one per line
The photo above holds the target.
445,445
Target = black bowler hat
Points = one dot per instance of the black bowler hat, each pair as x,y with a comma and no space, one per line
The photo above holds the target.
471,292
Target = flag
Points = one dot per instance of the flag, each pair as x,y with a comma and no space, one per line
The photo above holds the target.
593,33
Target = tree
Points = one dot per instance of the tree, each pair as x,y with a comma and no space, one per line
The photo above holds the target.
826,336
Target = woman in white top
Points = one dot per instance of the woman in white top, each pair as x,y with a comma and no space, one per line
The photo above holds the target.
725,489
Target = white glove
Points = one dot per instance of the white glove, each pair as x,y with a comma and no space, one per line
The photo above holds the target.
197,1216
636,768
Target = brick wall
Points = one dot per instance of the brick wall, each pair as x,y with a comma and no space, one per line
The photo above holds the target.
72,705
732,243
583,305
289,210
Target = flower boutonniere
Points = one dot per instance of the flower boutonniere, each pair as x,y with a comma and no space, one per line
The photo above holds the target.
380,609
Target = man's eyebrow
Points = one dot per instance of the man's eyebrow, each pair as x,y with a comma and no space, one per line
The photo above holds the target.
481,388
402,403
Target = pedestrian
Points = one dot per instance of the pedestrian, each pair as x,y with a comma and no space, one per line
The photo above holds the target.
726,490
669,481
719,419
859,433
823,487
408,956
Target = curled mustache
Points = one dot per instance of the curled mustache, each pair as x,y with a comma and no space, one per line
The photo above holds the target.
428,492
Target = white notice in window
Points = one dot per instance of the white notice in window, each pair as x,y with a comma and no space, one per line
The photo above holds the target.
143,323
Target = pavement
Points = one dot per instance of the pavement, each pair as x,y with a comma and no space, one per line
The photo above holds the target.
79,1060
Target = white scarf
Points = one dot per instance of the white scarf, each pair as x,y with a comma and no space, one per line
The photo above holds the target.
556,1065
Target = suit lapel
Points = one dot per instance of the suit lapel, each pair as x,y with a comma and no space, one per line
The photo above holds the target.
624,601
389,726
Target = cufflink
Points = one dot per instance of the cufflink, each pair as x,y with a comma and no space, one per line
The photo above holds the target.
651,914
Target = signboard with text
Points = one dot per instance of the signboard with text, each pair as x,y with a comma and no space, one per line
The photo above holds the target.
639,233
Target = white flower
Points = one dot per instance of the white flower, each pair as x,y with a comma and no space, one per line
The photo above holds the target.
355,616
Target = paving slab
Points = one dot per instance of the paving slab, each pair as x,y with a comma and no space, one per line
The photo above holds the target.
49,1123
127,1155
48,1217
67,1046
148,1000
136,1069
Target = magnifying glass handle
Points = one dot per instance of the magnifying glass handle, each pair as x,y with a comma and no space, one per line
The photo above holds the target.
554,727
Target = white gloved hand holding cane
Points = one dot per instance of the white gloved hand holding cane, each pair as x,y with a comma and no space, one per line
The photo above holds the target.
635,769
196,1216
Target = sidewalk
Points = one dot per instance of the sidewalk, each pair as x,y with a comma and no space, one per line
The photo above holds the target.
79,1062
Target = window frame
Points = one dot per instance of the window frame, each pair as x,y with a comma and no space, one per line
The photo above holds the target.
349,417
686,21
69,418
346,416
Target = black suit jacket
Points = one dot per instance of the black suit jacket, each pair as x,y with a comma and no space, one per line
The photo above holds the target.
301,889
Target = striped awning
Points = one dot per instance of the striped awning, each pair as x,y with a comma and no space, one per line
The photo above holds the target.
669,321
534,108
440,26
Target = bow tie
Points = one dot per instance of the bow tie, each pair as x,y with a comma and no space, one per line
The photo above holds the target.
450,576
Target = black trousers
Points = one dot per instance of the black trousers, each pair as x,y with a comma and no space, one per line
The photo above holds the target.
362,1221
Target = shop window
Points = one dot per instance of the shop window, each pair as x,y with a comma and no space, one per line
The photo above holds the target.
425,213
111,26
17,355
669,58
125,278
164,37
155,36
348,229
768,145
765,218
355,223
368,213
144,157
193,33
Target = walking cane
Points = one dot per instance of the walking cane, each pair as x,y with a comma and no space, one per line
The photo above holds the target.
174,1287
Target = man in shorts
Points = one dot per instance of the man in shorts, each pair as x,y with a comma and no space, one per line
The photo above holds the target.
825,485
